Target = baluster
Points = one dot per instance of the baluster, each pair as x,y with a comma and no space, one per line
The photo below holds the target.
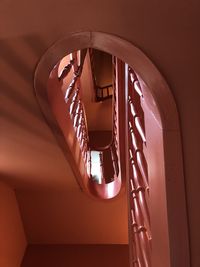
138,88
140,258
72,84
81,141
101,167
135,259
144,208
140,129
132,75
136,144
79,130
138,249
66,70
132,188
135,83
70,89
138,215
142,166
74,101
138,183
114,160
77,114
142,201
145,248
80,119
141,235
133,220
132,108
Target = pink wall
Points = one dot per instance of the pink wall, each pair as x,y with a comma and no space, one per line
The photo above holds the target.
71,217
12,237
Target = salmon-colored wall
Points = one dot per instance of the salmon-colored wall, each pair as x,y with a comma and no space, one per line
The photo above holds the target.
67,216
12,237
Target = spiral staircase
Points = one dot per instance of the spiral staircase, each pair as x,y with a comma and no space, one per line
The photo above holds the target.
101,171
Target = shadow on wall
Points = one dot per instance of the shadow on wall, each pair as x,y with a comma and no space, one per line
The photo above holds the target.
19,57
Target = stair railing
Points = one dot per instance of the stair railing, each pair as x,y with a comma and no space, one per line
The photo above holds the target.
140,237
77,113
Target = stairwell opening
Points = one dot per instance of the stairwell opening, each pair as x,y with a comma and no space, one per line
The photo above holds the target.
162,135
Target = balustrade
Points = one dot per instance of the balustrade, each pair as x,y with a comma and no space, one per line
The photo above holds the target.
79,122
138,175
94,160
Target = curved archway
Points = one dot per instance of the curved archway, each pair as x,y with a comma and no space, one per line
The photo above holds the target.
170,245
